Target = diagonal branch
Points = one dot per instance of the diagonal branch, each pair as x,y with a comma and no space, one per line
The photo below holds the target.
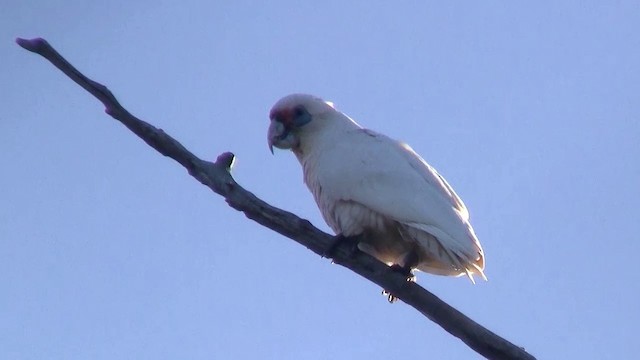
217,177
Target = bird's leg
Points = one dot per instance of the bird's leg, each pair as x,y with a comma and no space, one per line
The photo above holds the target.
404,271
410,261
340,239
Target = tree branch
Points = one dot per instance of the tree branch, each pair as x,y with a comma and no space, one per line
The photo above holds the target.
217,177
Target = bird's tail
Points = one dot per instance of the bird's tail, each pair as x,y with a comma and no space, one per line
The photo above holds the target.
446,257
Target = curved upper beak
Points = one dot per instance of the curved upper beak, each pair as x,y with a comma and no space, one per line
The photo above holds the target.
276,131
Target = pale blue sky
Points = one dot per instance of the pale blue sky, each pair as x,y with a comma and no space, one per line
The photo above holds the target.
110,251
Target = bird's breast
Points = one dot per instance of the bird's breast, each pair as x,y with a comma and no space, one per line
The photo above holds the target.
344,216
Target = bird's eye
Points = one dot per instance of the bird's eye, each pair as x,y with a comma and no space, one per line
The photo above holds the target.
298,111
300,116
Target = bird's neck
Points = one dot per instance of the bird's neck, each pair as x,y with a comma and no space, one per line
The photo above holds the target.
322,133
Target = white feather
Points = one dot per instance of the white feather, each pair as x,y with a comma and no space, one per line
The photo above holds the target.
365,181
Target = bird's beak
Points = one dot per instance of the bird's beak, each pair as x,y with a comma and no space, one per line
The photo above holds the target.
276,130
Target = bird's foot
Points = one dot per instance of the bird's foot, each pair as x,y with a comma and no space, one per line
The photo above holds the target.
404,271
390,298
340,239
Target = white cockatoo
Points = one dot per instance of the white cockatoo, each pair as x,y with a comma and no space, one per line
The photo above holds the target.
368,184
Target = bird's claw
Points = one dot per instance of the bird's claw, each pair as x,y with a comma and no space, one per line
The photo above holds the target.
390,298
404,271
337,241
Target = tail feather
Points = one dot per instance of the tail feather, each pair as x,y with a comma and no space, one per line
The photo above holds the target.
440,259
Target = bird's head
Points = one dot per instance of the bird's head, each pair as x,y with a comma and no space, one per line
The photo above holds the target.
290,115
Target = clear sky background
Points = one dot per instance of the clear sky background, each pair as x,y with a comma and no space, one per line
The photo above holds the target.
110,251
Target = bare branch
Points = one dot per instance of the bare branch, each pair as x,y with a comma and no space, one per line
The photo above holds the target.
217,177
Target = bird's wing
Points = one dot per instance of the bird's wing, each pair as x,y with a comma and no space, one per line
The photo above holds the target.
389,178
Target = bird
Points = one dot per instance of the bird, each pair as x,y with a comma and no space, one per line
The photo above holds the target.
378,190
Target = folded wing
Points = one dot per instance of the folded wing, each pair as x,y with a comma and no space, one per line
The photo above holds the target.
389,178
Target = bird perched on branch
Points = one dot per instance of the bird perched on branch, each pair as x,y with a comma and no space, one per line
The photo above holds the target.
371,186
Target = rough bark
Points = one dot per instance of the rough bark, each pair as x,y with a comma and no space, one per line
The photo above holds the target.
217,177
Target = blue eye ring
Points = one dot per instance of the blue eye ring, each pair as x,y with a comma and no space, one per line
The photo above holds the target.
300,116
